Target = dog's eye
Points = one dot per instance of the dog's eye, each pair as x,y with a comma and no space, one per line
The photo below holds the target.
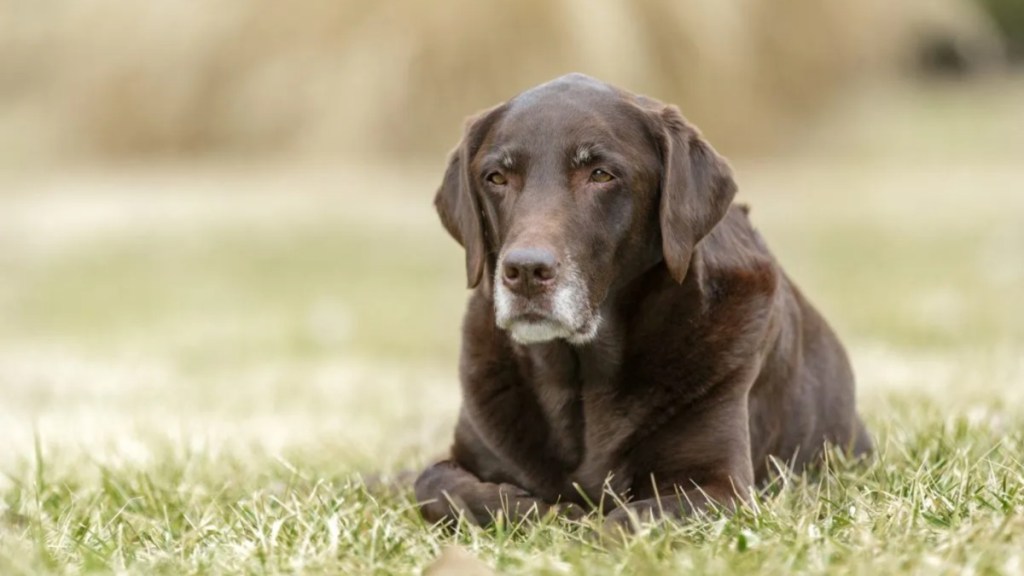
600,176
497,178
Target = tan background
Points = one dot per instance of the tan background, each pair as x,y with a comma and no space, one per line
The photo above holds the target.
334,79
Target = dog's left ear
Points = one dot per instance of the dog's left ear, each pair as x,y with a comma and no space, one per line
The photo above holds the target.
697,188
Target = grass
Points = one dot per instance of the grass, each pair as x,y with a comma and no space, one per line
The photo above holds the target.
195,365
944,496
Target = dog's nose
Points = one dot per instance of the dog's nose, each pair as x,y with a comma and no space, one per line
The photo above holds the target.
524,269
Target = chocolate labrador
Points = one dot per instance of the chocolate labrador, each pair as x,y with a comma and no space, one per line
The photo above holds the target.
629,331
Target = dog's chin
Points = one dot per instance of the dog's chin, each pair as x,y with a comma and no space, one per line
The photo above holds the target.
540,330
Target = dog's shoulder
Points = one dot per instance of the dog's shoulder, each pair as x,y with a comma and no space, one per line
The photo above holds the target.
736,258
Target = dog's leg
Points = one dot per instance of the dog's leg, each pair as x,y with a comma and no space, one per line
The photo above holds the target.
445,491
681,504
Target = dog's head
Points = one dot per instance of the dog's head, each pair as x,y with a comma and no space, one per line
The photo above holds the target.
570,190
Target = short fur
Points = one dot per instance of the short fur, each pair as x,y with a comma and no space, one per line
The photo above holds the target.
702,360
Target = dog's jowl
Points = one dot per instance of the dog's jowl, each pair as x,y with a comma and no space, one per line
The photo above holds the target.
628,329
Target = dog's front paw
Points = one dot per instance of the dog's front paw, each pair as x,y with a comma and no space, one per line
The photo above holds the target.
629,519
569,511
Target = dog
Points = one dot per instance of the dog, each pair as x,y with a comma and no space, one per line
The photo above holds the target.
628,330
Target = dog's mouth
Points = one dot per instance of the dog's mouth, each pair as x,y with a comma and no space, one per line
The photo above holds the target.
533,318
535,327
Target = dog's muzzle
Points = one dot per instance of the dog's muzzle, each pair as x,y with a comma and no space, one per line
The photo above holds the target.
543,300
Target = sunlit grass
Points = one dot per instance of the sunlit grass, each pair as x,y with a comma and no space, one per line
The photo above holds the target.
944,495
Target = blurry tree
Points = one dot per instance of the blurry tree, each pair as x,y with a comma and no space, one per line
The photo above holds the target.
350,79
1009,17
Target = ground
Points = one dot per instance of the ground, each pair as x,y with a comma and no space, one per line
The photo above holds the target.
196,361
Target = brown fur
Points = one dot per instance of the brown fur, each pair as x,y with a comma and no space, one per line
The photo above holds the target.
708,360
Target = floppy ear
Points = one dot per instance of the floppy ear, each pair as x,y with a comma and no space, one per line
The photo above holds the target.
456,200
697,188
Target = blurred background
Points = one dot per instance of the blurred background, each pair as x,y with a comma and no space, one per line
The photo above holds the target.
216,221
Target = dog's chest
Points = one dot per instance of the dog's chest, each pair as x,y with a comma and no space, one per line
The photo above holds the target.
587,423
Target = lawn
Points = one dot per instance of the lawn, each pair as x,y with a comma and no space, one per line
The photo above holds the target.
197,361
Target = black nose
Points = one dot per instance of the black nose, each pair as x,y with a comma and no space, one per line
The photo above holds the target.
526,269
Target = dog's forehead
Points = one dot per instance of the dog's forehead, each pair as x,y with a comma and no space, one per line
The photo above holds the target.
572,86
573,98
568,110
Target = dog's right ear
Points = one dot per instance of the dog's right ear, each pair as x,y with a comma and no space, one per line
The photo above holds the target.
456,200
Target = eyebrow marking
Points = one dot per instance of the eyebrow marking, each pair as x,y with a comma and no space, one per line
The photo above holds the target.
506,160
583,156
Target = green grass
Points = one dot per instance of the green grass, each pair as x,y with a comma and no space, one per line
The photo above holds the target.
195,366
944,496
